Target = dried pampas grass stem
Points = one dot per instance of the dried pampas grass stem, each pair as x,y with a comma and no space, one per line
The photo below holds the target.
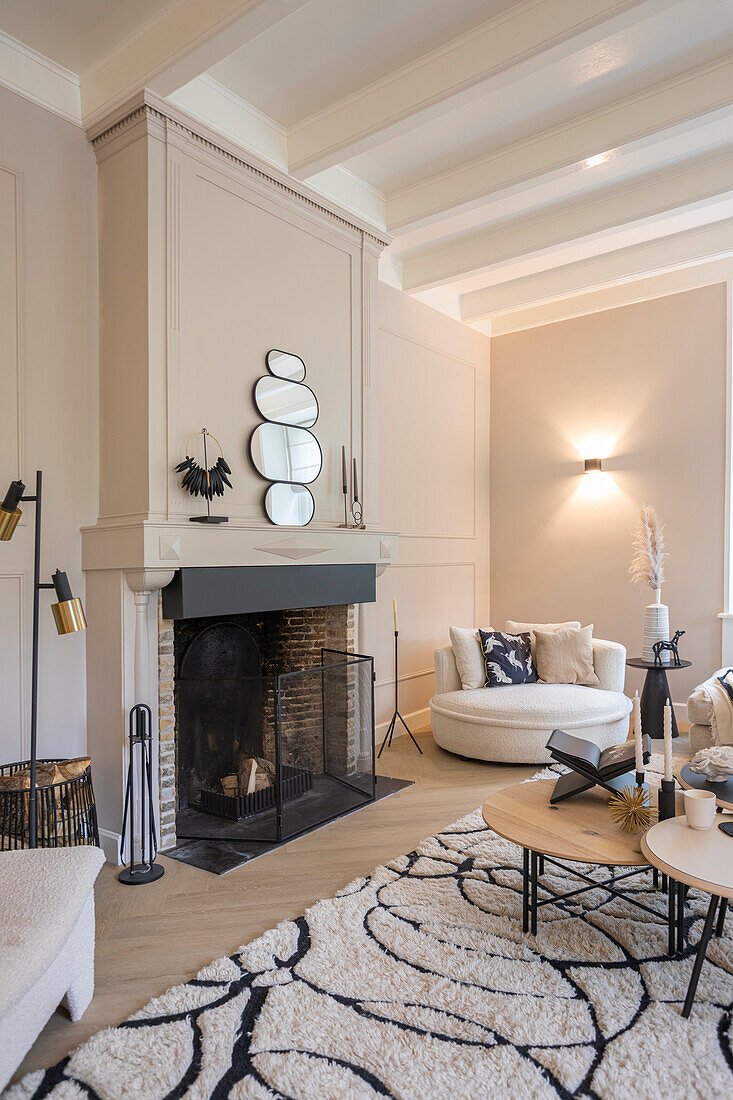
647,563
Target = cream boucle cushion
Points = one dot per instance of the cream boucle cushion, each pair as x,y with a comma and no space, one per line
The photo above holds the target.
540,706
42,893
469,656
700,707
565,656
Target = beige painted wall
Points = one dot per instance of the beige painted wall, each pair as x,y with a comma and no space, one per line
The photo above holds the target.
434,489
643,387
48,398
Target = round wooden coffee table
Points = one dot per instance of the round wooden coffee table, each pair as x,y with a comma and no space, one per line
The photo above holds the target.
702,858
580,830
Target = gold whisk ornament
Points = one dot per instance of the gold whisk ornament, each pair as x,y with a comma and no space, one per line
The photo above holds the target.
631,808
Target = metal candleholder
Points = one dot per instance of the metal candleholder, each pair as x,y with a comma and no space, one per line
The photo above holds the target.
666,800
396,716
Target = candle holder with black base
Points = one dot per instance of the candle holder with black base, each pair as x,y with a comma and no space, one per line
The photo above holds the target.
396,716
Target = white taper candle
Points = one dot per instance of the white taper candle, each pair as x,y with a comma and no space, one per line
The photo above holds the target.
394,611
638,750
667,741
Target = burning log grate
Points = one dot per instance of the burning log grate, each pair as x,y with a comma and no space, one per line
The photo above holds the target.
238,807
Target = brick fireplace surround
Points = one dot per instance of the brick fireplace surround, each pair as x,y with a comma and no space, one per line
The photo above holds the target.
295,639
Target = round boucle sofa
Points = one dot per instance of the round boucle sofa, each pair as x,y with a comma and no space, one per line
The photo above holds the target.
512,724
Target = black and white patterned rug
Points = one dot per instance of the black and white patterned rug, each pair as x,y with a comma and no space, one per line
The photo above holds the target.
417,982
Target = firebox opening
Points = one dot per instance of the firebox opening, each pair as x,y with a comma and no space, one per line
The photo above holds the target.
274,724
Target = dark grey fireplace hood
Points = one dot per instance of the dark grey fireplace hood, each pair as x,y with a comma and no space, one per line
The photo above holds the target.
235,590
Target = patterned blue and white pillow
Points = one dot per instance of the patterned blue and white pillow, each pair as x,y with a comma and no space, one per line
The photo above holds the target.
507,658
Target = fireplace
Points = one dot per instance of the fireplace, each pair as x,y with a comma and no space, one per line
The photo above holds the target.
266,720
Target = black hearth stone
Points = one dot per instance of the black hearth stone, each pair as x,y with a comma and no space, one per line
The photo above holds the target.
219,849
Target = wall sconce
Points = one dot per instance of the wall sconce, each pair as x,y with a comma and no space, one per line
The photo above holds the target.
593,465
68,614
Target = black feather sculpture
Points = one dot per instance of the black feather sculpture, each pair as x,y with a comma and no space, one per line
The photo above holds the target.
205,481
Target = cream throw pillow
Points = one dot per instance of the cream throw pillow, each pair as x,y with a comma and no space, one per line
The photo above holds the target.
565,656
469,656
525,628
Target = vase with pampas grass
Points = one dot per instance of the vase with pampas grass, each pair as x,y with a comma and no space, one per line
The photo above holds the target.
647,570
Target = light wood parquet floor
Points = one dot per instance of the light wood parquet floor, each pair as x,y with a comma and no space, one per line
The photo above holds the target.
159,935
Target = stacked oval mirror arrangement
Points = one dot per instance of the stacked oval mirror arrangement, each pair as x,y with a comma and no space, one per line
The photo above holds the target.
283,450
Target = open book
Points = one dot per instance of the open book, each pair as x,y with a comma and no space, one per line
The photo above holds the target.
596,766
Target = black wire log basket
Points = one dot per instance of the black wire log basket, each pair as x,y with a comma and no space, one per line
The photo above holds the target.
65,812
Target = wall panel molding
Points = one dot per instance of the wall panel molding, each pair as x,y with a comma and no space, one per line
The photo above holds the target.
14,673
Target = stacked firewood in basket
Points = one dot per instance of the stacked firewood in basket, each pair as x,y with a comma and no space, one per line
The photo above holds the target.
61,810
254,774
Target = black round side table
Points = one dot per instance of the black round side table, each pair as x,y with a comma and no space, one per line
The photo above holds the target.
655,694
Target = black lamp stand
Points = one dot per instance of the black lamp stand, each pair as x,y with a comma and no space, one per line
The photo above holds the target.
391,728
37,586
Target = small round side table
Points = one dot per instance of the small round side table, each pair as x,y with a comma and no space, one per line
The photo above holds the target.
655,694
698,858
723,791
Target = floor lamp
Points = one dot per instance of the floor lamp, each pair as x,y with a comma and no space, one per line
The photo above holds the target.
68,614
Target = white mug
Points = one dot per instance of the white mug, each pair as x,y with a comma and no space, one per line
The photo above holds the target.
700,808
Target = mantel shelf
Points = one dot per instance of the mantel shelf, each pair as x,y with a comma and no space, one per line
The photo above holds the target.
174,545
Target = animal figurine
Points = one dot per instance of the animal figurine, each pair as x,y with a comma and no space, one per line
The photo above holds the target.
670,647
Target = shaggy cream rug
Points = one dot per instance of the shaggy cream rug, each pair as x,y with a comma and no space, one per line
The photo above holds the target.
417,982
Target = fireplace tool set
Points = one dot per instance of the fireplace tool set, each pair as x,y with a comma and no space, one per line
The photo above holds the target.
144,869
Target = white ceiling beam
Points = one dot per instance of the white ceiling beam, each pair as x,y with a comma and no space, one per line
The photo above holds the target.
526,36
650,258
607,210
643,289
556,152
168,51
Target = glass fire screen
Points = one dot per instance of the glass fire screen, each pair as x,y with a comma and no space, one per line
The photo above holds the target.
311,732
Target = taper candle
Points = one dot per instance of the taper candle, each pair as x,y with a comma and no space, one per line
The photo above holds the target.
638,751
667,741
356,483
344,478
394,612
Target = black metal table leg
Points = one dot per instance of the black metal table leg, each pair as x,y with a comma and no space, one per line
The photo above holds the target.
655,878
541,864
670,918
721,917
700,957
534,893
680,917
525,890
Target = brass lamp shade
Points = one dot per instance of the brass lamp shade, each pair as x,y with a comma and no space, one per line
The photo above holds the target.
69,616
8,523
68,613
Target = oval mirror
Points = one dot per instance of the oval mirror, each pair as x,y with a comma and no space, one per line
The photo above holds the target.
286,402
283,364
284,453
289,505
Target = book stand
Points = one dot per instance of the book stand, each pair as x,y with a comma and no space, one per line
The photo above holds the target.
583,775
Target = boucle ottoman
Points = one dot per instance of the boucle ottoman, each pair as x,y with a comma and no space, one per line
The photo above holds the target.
46,942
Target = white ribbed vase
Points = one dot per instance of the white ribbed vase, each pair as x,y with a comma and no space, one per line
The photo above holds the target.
656,628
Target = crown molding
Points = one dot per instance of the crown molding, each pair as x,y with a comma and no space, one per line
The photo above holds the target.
150,109
215,105
39,79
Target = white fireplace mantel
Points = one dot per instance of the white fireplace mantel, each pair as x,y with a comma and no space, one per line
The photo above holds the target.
169,546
